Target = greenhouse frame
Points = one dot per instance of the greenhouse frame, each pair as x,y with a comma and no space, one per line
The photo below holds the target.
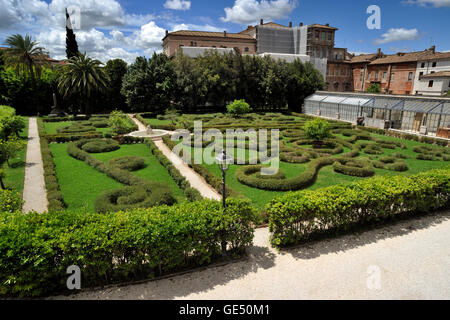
412,114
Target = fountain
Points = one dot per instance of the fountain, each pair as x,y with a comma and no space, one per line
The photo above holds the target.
153,134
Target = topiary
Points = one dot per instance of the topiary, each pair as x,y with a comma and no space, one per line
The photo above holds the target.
354,167
100,145
129,163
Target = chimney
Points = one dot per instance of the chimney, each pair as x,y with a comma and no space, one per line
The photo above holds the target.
290,24
262,21
433,49
167,32
379,52
327,24
224,33
301,24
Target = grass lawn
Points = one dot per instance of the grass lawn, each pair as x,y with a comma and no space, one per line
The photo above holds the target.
16,174
81,184
326,176
154,122
51,127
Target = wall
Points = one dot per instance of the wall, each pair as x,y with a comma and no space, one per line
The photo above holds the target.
340,74
440,86
426,67
396,80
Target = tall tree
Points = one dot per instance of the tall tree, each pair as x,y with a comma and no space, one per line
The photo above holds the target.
71,41
83,76
25,55
116,70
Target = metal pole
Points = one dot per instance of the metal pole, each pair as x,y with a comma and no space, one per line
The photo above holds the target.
224,243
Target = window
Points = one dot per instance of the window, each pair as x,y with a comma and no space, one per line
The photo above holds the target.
369,75
330,36
337,72
410,76
421,74
430,84
361,78
324,36
376,75
393,77
247,49
384,75
317,35
449,84
431,72
422,65
434,64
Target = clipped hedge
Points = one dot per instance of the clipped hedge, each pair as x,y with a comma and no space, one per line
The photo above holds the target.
63,138
37,249
54,196
354,167
296,217
191,193
129,163
10,201
100,145
246,175
109,201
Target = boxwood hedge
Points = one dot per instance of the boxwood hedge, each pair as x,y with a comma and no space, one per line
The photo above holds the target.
37,249
295,217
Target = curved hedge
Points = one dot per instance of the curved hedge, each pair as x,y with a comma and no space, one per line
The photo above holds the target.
296,217
129,163
354,167
245,176
99,145
117,247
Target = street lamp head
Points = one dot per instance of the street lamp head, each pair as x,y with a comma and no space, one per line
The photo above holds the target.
224,161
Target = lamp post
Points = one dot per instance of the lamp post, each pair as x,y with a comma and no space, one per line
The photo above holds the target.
223,160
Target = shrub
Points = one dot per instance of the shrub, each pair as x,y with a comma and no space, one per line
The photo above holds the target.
100,145
238,107
129,163
117,247
10,201
352,167
121,123
317,130
296,217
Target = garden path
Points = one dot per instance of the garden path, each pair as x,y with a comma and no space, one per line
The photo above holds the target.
193,177
405,260
34,193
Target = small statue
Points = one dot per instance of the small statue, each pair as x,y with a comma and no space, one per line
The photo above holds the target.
149,129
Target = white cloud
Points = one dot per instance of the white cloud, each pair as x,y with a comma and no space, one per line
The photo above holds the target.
398,34
150,35
177,5
434,3
250,11
196,27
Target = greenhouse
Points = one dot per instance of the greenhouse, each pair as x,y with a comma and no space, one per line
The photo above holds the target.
424,115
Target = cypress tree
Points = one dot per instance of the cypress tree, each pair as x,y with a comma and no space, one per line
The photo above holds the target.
71,42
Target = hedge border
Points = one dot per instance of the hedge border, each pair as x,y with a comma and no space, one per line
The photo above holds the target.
55,197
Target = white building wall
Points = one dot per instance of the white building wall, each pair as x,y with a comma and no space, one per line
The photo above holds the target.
440,85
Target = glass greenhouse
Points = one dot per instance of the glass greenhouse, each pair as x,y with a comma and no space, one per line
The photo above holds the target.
424,115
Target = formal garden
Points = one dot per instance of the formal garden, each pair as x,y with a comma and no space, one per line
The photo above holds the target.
120,208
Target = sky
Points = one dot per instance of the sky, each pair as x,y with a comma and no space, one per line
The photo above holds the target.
126,29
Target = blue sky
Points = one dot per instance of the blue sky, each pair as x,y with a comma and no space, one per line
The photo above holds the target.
126,29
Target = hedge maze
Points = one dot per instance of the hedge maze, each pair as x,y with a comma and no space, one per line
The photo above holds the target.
353,152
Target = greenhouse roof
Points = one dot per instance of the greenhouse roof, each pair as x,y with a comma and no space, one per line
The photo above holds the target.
401,103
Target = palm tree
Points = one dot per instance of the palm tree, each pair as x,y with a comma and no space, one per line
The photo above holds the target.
25,55
83,76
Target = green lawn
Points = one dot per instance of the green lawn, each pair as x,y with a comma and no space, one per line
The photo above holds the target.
154,122
51,127
81,184
326,176
15,175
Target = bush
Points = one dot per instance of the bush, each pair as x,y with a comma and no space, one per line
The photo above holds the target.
10,124
317,130
296,217
121,123
129,163
117,247
10,201
100,145
238,107
352,167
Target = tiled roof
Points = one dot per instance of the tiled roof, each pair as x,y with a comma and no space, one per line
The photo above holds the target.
364,58
316,25
437,56
402,57
439,74
210,34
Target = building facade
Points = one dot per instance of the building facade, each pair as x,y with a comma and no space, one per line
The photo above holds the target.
432,76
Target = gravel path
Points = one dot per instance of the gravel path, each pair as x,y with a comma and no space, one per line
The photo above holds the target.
193,177
405,260
34,193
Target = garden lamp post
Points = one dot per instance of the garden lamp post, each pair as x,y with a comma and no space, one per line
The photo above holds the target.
224,161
